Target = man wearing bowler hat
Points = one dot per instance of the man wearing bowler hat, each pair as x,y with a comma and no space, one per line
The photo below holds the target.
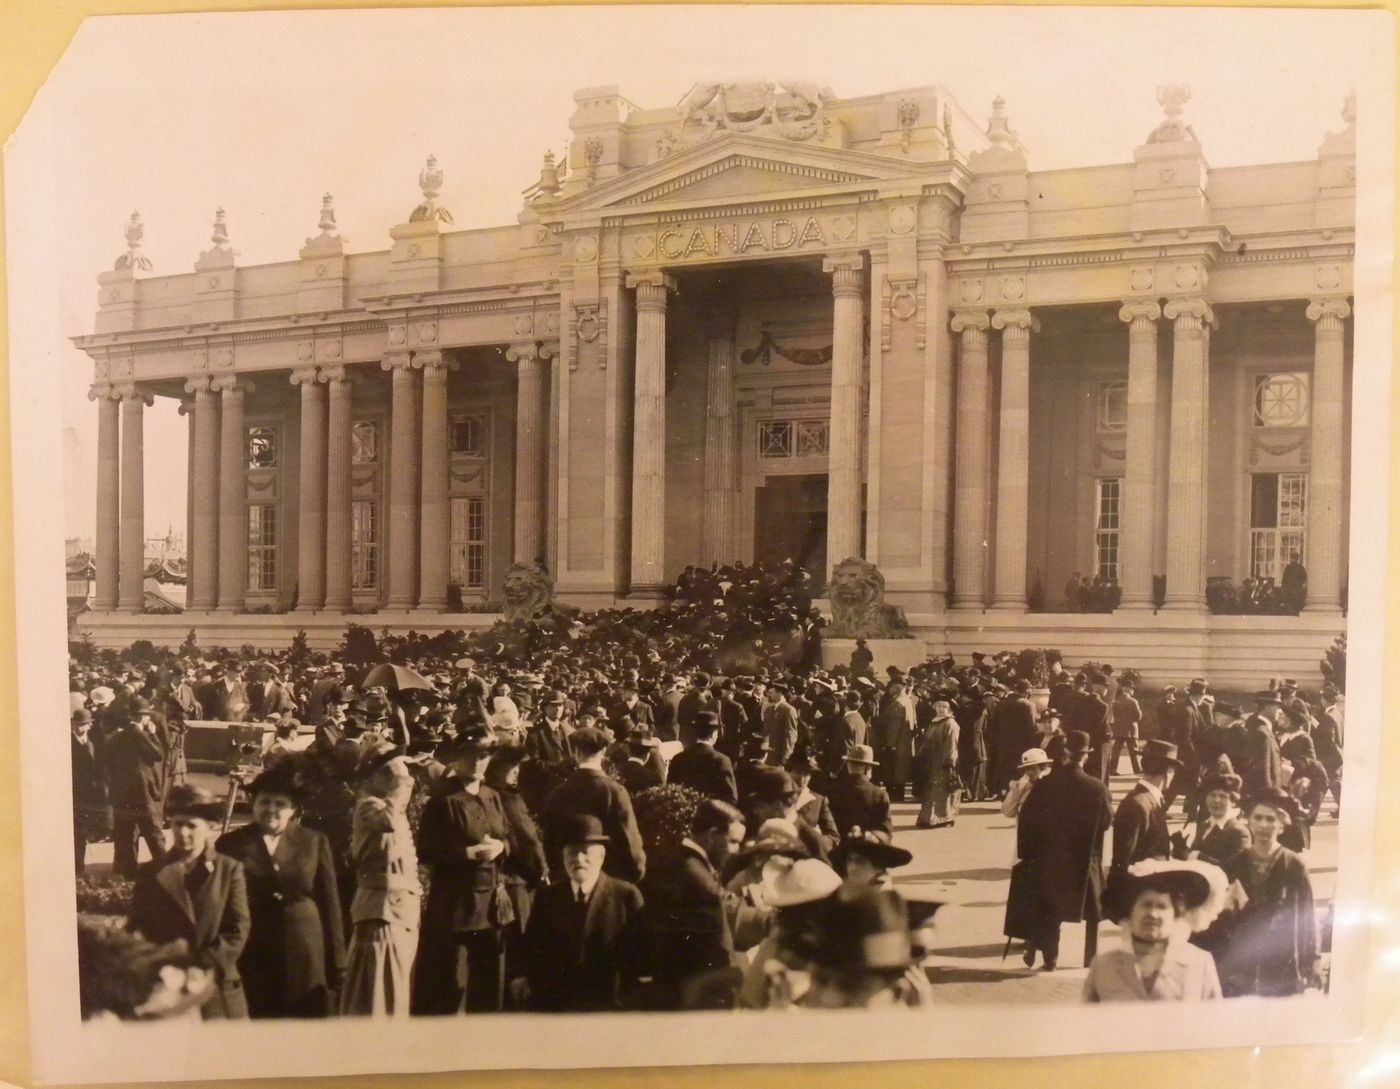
856,802
1060,838
1140,825
700,766
135,760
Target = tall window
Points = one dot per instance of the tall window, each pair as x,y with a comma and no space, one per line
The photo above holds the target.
1281,400
793,438
262,546
466,434
364,544
1278,520
1113,406
1106,528
467,559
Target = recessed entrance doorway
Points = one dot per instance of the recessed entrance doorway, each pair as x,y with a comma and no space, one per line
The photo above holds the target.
789,521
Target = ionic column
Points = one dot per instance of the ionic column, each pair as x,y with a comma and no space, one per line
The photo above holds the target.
843,499
649,432
1013,458
1326,542
970,462
311,493
718,517
531,429
338,489
108,544
204,497
403,480
131,594
1186,477
1138,530
433,535
233,493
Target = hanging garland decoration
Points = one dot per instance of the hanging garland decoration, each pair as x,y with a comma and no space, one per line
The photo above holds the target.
768,347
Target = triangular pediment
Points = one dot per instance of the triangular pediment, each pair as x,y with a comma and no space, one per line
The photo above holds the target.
737,166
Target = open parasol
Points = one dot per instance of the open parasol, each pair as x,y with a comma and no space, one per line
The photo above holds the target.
396,678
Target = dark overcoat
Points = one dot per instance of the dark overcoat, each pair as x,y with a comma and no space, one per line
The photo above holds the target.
582,962
1270,945
588,790
1010,733
859,803
296,945
1060,833
685,928
1261,765
135,763
214,923
702,768
460,890
1139,832
91,813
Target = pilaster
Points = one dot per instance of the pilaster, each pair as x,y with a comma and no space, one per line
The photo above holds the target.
970,461
649,432
1186,495
311,493
1326,539
1013,457
843,537
1138,530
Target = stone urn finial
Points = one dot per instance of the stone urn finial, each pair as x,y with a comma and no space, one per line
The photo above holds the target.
220,235
327,221
999,126
549,176
430,182
1172,97
134,232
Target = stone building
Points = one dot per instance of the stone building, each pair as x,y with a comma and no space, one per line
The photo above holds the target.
771,323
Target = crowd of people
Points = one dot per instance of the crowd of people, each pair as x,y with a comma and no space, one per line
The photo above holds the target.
679,808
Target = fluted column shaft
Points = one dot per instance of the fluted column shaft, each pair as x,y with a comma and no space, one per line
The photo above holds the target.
204,497
338,489
1013,458
1186,495
531,430
649,433
843,497
433,535
1326,541
970,462
108,545
403,478
233,495
311,493
131,594
718,514
1138,525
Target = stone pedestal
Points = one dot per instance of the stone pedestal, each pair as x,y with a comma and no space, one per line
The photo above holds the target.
904,653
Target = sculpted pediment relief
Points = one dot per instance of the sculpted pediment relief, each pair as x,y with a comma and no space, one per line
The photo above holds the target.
741,176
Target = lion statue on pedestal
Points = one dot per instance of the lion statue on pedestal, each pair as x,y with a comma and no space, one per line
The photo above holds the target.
858,606
528,592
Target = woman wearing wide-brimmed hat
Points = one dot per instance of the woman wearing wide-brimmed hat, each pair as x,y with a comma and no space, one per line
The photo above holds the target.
1162,904
195,895
1220,834
1267,935
296,947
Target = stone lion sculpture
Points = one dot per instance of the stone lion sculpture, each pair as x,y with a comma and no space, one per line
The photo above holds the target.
527,592
858,604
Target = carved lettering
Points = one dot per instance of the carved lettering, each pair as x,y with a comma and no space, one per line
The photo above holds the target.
812,232
734,237
662,247
697,243
754,239
784,233
731,240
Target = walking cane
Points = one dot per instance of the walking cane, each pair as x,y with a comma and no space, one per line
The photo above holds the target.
230,801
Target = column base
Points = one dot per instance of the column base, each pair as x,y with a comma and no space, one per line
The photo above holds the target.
968,606
431,606
1146,605
1010,607
1327,608
1183,606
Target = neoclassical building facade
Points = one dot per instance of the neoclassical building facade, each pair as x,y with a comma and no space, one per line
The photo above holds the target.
769,323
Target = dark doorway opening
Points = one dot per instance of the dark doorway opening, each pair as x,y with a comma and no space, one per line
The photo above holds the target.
790,523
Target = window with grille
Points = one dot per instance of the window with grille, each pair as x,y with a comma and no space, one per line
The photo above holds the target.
1113,406
466,434
262,546
794,438
364,544
262,448
1106,528
1281,400
1278,522
468,543
364,442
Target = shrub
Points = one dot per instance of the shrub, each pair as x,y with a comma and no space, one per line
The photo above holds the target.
1334,665
190,647
108,894
1032,665
664,814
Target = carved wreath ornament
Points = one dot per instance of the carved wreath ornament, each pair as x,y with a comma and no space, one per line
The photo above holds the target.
767,347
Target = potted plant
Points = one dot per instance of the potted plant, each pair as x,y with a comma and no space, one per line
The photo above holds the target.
1033,667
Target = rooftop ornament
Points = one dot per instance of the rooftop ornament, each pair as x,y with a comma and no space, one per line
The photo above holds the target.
999,130
1172,97
549,176
1349,108
430,181
327,221
131,259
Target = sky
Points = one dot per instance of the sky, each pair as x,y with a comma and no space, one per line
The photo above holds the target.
262,113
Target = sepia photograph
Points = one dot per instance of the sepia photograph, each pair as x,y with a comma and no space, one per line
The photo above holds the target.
540,514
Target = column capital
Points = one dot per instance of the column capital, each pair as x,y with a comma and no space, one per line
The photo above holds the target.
650,277
845,269
103,391
1015,319
1328,308
427,360
336,373
524,351
548,349
200,383
1196,308
970,319
1146,309
130,391
305,376
397,360
838,262
231,383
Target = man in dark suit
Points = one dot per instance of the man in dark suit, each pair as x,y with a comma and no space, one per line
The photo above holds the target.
847,731
1261,765
631,706
813,809
1127,719
638,761
1060,836
1140,824
91,813
580,951
1011,730
196,895
686,927
1088,714
856,802
1192,715
700,766
589,790
135,760
268,697
779,725
666,709
698,698
224,698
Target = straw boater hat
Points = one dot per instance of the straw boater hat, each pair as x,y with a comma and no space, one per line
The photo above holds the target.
1033,758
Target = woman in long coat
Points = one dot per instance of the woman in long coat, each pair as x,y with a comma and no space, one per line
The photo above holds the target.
296,948
1268,944
936,766
387,905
